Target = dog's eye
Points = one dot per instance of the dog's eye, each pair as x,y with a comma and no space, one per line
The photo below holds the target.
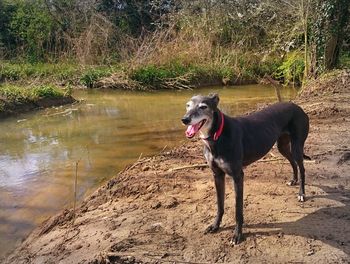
203,107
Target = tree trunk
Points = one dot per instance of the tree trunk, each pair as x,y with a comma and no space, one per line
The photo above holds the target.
328,34
331,52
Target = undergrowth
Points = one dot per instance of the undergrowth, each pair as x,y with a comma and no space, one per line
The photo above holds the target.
171,72
17,94
58,72
292,69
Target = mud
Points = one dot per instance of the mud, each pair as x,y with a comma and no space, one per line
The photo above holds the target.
156,210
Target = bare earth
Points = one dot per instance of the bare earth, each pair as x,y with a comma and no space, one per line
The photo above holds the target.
151,213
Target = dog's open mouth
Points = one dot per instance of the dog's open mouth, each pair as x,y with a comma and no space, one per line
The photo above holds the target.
193,129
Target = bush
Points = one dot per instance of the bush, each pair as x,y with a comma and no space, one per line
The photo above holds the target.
17,94
17,71
10,72
32,26
292,69
92,75
344,60
152,75
46,91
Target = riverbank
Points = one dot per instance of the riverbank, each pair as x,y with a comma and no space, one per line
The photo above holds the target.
156,209
61,78
15,99
171,75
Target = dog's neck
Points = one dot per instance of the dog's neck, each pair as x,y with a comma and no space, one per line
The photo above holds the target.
209,132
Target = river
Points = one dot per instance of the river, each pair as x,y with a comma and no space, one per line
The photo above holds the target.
103,133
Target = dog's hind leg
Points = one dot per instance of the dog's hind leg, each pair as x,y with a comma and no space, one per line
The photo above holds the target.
283,145
219,178
297,152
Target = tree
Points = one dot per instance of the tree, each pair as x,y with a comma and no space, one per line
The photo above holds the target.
328,33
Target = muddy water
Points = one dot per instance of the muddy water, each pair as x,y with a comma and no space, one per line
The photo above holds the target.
103,133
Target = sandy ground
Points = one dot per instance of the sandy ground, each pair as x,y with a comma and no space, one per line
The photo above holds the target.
151,213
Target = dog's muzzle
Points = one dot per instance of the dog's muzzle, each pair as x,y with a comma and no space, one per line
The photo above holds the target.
186,120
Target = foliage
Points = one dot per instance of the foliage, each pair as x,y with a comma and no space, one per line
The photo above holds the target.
15,94
164,39
344,60
152,75
46,91
31,26
292,69
91,75
18,94
135,16
70,73
327,33
16,71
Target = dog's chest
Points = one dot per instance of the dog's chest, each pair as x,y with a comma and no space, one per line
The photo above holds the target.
217,161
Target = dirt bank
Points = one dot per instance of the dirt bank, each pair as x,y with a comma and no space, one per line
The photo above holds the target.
151,213
11,109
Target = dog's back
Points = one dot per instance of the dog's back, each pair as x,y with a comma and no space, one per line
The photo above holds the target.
261,129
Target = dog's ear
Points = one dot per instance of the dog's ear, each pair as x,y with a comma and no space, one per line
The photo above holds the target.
214,97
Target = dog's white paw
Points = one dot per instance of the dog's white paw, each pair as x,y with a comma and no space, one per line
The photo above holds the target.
232,242
292,183
236,239
301,198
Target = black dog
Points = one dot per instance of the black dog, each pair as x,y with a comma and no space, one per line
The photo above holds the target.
233,143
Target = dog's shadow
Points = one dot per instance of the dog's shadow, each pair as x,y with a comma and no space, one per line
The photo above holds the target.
331,225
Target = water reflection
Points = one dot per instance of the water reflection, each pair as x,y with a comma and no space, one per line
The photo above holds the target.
108,130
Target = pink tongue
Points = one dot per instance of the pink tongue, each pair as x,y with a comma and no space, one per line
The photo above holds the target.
192,130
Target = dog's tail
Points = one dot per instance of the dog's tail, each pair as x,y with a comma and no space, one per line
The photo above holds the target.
306,157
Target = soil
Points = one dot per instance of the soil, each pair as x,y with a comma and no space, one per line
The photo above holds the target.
156,210
11,109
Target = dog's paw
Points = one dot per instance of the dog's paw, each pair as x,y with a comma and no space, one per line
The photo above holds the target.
301,198
236,239
211,229
292,182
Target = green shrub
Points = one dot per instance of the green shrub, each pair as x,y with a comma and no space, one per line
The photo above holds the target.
292,69
46,91
344,60
17,71
17,94
92,75
10,72
269,66
32,25
152,75
211,72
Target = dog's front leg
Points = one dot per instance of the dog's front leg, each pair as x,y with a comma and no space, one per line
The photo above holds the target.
219,178
238,184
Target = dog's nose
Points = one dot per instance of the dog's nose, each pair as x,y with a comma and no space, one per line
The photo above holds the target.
186,120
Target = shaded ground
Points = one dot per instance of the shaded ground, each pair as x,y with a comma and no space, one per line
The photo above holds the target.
151,213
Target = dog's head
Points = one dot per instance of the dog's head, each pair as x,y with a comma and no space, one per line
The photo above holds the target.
199,114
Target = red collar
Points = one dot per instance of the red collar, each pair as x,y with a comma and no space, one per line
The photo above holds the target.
218,133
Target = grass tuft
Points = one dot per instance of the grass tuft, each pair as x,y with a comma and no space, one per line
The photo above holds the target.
16,94
92,75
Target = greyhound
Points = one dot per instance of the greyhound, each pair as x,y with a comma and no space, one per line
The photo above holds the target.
230,144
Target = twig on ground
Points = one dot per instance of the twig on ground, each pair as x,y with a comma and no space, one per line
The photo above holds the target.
189,167
135,164
285,161
75,189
